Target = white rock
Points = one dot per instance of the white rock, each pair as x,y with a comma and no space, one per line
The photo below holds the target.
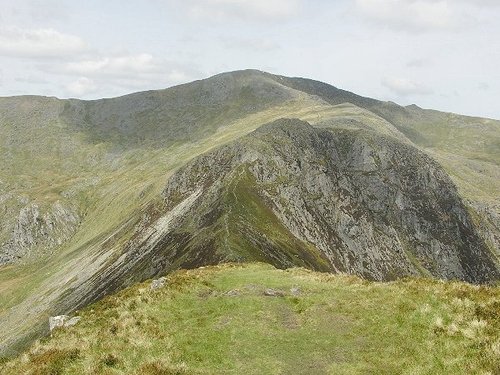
62,321
57,321
155,284
72,321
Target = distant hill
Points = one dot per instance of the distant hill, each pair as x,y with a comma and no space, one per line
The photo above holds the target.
98,195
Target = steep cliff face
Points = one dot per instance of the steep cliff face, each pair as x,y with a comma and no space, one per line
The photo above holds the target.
356,202
37,230
486,218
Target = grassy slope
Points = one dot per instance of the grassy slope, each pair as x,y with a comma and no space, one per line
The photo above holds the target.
468,148
110,205
218,320
118,194
244,229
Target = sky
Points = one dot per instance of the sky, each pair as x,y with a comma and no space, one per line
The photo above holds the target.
440,54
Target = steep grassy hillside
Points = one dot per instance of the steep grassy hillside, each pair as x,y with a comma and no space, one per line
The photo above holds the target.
104,181
103,158
287,194
254,319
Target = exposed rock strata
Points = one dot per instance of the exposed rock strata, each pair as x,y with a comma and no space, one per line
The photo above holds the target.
38,230
372,206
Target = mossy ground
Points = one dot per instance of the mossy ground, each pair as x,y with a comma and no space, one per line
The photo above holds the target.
218,320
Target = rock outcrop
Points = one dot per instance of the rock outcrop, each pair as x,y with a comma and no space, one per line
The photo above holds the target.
39,231
158,283
61,321
341,200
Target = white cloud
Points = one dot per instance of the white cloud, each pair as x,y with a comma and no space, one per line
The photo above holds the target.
410,15
424,15
38,43
481,3
82,86
405,87
417,63
31,79
116,66
483,86
253,44
134,71
43,11
242,9
114,75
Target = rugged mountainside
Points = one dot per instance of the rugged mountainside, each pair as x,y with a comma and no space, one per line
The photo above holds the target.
99,195
65,152
342,200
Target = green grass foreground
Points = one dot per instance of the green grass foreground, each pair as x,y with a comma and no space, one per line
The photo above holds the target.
221,320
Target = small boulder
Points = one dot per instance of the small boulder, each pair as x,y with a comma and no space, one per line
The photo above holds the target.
72,321
62,321
158,283
295,291
274,292
57,321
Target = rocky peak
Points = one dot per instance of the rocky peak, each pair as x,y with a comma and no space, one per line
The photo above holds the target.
339,200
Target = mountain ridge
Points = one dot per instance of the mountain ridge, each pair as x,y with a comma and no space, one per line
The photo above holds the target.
107,164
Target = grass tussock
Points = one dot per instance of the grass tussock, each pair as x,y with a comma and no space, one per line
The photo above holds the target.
159,368
52,361
225,320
